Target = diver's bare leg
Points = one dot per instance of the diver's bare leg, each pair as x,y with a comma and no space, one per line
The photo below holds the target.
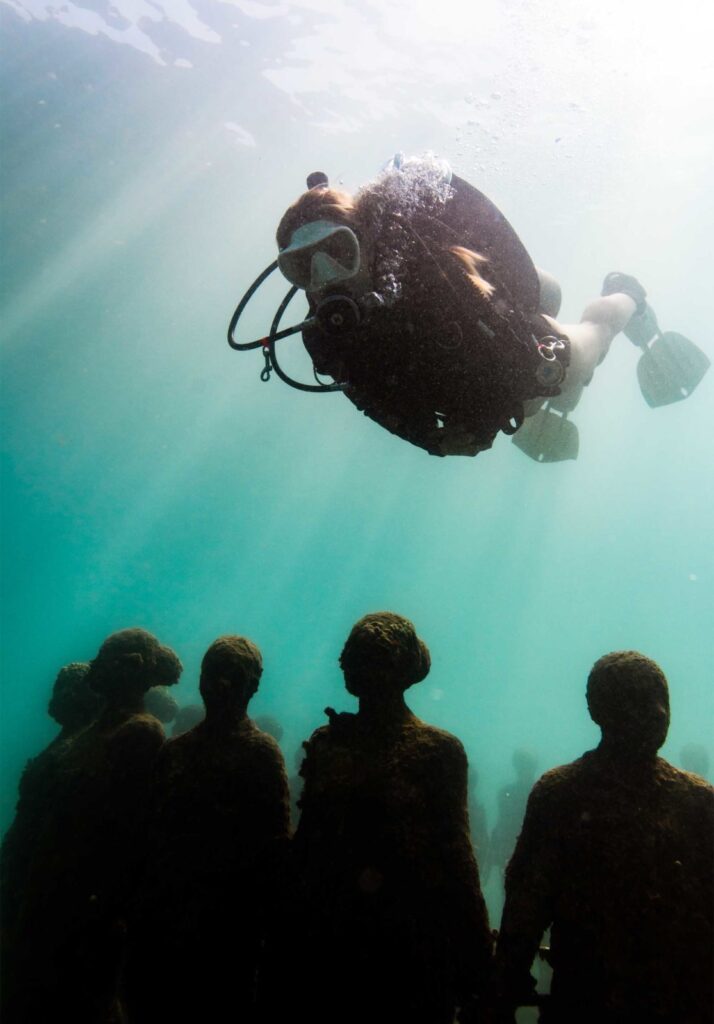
590,340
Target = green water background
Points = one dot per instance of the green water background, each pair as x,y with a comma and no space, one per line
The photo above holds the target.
148,476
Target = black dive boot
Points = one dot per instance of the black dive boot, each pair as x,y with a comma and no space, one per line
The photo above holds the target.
671,366
642,326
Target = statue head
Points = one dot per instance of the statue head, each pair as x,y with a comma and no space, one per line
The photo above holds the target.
383,652
628,698
73,703
129,663
230,673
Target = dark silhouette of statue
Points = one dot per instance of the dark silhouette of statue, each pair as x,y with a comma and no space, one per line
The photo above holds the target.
215,856
512,800
186,718
617,855
62,958
478,824
392,922
74,706
161,703
295,784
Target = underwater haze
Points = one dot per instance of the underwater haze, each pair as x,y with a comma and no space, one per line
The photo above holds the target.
150,478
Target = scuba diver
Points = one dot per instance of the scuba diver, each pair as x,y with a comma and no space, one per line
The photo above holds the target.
427,312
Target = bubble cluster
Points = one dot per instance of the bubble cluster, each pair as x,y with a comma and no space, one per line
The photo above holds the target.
406,189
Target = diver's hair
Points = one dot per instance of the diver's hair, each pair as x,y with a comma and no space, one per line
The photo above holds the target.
472,262
385,643
613,675
316,204
365,213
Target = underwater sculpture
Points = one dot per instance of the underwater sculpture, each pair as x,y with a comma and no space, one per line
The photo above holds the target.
512,800
617,855
426,310
391,924
74,706
186,718
65,951
161,703
478,825
216,846
295,784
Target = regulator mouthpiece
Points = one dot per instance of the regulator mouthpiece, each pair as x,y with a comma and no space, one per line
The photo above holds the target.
338,314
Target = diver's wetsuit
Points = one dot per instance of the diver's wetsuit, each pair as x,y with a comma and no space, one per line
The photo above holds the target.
439,354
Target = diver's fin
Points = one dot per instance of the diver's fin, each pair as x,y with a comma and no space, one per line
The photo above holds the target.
548,437
642,327
670,369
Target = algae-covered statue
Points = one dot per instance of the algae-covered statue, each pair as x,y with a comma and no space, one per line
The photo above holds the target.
63,957
617,856
161,703
74,706
427,312
216,845
393,925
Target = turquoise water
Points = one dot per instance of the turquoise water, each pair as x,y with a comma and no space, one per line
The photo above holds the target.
150,478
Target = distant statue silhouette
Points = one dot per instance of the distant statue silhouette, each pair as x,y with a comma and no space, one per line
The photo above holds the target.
186,718
617,854
65,952
295,784
512,800
74,704
270,724
478,824
694,757
217,841
161,703
393,923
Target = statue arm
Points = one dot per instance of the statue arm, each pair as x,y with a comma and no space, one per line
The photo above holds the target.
531,881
